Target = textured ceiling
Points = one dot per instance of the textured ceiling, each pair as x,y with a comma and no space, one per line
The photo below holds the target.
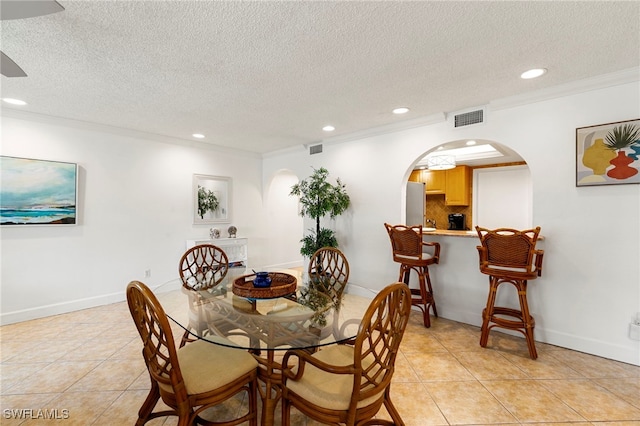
263,76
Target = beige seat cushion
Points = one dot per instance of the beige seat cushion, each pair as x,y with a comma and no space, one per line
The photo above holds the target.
327,390
206,366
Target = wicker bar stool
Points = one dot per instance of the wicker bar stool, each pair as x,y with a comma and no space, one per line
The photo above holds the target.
408,251
509,256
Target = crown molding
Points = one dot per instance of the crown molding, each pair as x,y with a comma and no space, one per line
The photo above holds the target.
617,78
120,131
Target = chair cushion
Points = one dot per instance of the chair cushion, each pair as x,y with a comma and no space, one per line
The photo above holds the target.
206,366
328,390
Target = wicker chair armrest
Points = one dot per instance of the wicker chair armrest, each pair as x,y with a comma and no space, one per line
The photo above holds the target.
436,251
482,254
538,261
305,357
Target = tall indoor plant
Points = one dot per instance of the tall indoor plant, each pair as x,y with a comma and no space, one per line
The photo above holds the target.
318,198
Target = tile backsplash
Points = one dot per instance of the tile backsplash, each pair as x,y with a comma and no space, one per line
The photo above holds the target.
436,209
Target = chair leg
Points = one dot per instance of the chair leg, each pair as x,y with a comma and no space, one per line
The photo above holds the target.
527,319
391,409
488,311
423,300
149,404
286,411
433,299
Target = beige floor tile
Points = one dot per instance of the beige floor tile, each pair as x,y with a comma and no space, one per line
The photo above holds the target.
625,388
432,384
22,406
54,377
420,341
414,405
530,402
77,408
437,366
111,375
544,367
489,365
592,401
468,403
404,372
595,367
97,349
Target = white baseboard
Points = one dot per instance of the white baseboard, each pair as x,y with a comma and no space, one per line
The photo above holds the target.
626,354
60,308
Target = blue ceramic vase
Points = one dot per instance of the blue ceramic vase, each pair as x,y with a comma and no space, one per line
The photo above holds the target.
262,280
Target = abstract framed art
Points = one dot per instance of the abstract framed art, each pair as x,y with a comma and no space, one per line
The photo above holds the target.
211,199
37,192
608,154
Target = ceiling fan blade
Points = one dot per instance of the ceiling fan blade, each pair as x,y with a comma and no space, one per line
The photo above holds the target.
20,9
9,68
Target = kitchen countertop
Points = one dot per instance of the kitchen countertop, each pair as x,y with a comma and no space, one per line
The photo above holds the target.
463,234
449,233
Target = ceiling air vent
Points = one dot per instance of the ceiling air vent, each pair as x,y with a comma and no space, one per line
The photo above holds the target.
468,118
315,149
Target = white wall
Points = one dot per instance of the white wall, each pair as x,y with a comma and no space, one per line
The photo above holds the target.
135,213
590,289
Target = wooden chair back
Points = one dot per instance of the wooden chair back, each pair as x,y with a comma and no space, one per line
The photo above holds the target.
506,251
329,268
378,341
407,245
159,349
203,267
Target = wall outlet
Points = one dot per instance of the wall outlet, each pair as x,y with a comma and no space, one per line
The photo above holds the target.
147,273
634,331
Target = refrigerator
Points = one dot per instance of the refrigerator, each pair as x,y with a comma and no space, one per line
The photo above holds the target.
415,203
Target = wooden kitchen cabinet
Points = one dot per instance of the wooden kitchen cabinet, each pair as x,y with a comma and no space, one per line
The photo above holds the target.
458,186
435,181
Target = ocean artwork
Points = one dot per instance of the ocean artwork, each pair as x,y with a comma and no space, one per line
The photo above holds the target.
37,192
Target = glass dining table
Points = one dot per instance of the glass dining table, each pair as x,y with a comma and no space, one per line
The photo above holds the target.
266,321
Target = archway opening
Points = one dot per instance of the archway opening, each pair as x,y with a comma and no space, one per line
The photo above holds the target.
467,183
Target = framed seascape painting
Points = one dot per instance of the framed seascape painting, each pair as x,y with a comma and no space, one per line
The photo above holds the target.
608,154
37,192
211,199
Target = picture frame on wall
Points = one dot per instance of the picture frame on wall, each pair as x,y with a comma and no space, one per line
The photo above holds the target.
38,192
608,154
211,199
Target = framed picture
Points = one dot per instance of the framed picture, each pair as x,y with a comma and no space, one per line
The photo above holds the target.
37,192
211,199
608,154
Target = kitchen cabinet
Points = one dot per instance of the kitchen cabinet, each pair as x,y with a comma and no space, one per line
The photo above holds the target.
435,181
458,186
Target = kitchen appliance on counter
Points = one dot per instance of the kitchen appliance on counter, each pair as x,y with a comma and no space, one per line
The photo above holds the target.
457,222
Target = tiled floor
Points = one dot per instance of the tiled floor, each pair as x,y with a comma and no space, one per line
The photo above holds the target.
89,363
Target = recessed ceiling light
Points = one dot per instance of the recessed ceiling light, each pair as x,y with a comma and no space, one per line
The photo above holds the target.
328,128
198,135
536,72
469,143
401,110
14,101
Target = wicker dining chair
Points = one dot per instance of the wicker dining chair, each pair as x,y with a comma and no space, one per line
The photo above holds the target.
201,267
329,269
509,256
349,382
409,251
193,378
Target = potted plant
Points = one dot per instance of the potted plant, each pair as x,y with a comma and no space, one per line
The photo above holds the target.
319,198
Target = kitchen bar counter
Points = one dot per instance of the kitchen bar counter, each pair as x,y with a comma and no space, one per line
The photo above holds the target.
463,234
448,233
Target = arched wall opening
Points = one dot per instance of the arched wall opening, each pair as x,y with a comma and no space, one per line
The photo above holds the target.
469,183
